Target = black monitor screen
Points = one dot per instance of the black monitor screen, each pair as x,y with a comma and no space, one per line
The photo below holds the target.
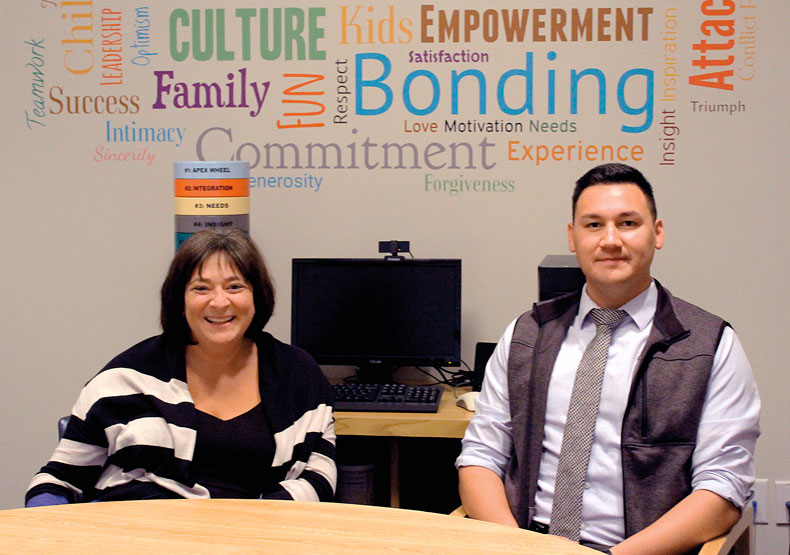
375,311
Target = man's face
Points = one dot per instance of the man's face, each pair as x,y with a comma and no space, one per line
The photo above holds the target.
614,237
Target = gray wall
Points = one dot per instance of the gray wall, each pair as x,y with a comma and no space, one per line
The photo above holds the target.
86,243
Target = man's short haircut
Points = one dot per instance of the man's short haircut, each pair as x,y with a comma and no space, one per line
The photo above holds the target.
610,174
244,255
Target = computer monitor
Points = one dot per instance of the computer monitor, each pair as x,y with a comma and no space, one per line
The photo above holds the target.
559,274
377,314
483,352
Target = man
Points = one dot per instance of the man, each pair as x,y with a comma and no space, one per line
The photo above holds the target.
671,453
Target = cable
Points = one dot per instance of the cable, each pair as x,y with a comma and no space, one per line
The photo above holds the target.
434,378
451,378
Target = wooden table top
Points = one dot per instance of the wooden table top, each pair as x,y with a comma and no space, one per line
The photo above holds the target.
258,526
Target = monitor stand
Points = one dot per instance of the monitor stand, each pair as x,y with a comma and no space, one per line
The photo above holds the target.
375,373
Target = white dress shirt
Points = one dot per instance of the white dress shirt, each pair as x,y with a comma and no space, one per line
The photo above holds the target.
723,457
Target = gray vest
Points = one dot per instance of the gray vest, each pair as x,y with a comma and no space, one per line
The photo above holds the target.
661,418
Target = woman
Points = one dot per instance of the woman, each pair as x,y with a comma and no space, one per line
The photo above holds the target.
213,407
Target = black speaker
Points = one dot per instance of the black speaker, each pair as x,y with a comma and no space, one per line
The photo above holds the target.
559,274
483,352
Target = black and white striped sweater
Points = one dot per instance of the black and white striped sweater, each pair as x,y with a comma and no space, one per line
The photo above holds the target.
132,430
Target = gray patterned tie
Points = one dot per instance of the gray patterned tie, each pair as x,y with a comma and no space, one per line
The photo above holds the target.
566,510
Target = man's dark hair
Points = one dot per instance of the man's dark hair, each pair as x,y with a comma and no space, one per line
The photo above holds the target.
610,174
241,250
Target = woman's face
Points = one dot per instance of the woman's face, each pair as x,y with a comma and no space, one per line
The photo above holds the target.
218,302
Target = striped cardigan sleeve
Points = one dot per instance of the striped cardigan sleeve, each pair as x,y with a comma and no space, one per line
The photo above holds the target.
76,464
117,425
312,475
301,408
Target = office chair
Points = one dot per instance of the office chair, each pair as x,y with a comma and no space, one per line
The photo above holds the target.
62,423
738,541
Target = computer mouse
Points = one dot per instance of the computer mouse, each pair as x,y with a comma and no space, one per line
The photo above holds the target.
467,400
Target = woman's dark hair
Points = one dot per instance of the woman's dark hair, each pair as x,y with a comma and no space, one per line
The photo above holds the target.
241,250
611,174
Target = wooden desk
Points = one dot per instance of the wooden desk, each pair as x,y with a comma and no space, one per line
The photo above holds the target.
449,421
253,526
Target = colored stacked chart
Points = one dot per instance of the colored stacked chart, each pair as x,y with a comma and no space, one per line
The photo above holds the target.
210,195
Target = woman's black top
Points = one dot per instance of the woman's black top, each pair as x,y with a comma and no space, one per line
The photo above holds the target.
233,458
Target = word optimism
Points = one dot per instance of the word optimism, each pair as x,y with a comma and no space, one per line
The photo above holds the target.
374,94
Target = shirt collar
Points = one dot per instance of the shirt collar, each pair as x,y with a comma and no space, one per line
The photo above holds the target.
641,308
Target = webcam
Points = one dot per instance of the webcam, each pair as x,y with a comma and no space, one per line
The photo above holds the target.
393,248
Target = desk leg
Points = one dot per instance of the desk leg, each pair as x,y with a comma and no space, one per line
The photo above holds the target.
394,472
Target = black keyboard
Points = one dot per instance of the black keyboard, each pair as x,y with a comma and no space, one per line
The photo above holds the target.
387,397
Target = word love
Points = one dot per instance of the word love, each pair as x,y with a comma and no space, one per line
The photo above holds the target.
419,127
